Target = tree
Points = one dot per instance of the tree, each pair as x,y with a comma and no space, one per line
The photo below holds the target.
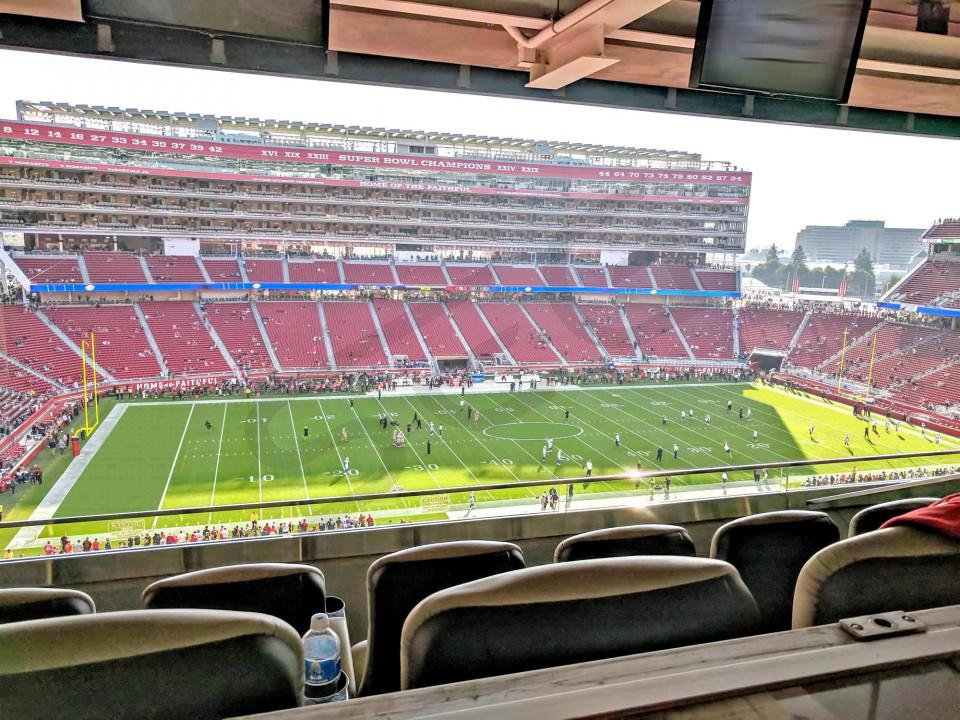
863,262
773,254
798,261
771,271
863,278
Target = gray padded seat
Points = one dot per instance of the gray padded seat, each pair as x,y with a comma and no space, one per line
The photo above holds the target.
290,592
19,604
898,568
397,582
149,664
626,541
768,550
572,612
871,518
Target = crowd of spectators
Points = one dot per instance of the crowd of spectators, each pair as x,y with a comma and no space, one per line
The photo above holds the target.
854,477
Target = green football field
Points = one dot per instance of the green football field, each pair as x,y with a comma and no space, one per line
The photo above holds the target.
163,455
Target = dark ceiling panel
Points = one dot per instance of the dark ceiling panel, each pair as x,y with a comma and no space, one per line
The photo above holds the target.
300,21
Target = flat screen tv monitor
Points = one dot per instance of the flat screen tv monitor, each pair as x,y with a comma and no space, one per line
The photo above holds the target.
779,47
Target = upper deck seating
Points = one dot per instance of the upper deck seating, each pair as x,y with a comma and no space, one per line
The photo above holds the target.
470,275
420,275
44,269
264,270
114,267
314,271
174,269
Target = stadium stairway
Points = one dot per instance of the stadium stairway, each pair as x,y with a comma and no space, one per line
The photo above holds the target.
380,334
591,333
800,328
219,343
327,342
736,332
463,341
630,333
151,340
856,342
679,332
146,269
544,333
267,344
420,339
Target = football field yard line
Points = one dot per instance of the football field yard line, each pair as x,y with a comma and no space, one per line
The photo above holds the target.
596,430
216,469
173,465
446,445
692,429
540,462
259,466
725,418
296,443
411,446
477,440
545,463
373,445
676,439
346,475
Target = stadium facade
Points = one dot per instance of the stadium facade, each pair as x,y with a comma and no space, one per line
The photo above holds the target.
83,177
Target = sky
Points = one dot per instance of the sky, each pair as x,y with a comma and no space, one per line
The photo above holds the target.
801,176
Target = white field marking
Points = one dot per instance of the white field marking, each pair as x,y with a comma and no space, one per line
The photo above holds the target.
216,469
482,444
259,467
587,445
173,465
540,461
419,459
375,449
845,410
51,502
447,444
677,440
692,428
491,389
725,418
336,449
296,442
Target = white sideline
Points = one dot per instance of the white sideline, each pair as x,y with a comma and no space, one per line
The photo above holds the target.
48,507
418,390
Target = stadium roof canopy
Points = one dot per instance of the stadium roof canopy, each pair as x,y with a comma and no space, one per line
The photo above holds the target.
618,53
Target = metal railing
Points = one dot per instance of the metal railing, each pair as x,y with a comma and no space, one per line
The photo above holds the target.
638,477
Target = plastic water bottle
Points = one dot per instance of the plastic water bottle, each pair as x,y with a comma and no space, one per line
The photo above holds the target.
321,658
